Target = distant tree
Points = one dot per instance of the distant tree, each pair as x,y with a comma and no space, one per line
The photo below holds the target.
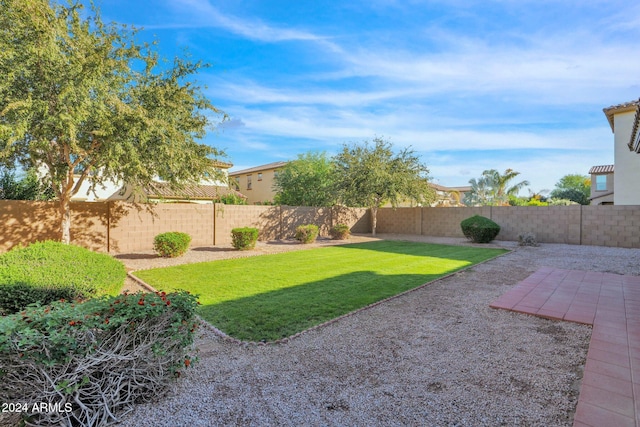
574,187
306,181
534,199
481,192
493,189
27,187
82,101
231,199
371,175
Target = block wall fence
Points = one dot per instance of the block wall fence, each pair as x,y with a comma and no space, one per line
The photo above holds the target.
119,227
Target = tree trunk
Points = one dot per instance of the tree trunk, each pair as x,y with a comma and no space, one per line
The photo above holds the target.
374,219
65,219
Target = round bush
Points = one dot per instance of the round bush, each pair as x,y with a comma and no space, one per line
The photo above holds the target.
307,233
479,229
171,244
340,232
47,271
244,238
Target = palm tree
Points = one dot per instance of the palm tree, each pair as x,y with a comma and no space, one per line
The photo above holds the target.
493,188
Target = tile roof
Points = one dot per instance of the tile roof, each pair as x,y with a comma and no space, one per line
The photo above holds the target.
190,192
439,187
222,165
268,166
620,108
601,169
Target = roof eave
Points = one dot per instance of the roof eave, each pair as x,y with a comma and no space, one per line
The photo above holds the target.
610,112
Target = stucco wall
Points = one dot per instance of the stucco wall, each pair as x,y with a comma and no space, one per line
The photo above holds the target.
261,189
627,163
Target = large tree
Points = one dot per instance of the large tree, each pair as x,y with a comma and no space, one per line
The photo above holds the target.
574,187
371,175
493,188
82,101
306,181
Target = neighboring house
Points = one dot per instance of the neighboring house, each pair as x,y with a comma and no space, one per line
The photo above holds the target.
624,120
445,197
202,193
205,192
449,196
257,183
601,185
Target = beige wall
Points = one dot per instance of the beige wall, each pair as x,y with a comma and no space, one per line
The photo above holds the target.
132,227
119,227
261,190
279,222
264,218
445,222
617,226
24,222
627,162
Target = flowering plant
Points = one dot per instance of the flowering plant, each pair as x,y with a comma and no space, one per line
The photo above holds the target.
99,355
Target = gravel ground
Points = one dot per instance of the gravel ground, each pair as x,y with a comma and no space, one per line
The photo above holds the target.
438,356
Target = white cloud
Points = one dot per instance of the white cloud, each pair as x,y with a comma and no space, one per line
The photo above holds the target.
411,128
202,14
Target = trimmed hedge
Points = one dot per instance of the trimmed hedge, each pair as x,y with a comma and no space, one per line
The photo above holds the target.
479,229
172,244
47,271
244,238
307,233
95,359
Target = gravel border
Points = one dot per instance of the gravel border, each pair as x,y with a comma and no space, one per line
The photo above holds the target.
436,356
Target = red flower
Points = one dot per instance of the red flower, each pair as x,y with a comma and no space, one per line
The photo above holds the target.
168,302
187,362
106,321
72,323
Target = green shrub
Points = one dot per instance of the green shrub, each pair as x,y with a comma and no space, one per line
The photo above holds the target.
479,229
171,244
48,271
96,358
231,199
307,233
244,238
340,231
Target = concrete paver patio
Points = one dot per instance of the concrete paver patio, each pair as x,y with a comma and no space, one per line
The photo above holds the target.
610,390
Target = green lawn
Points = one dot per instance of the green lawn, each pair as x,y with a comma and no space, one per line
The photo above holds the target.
275,296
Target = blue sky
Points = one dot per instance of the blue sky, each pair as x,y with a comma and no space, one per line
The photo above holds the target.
469,85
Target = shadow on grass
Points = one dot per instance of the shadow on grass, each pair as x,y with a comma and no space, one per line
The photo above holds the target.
311,287
213,249
279,314
432,250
